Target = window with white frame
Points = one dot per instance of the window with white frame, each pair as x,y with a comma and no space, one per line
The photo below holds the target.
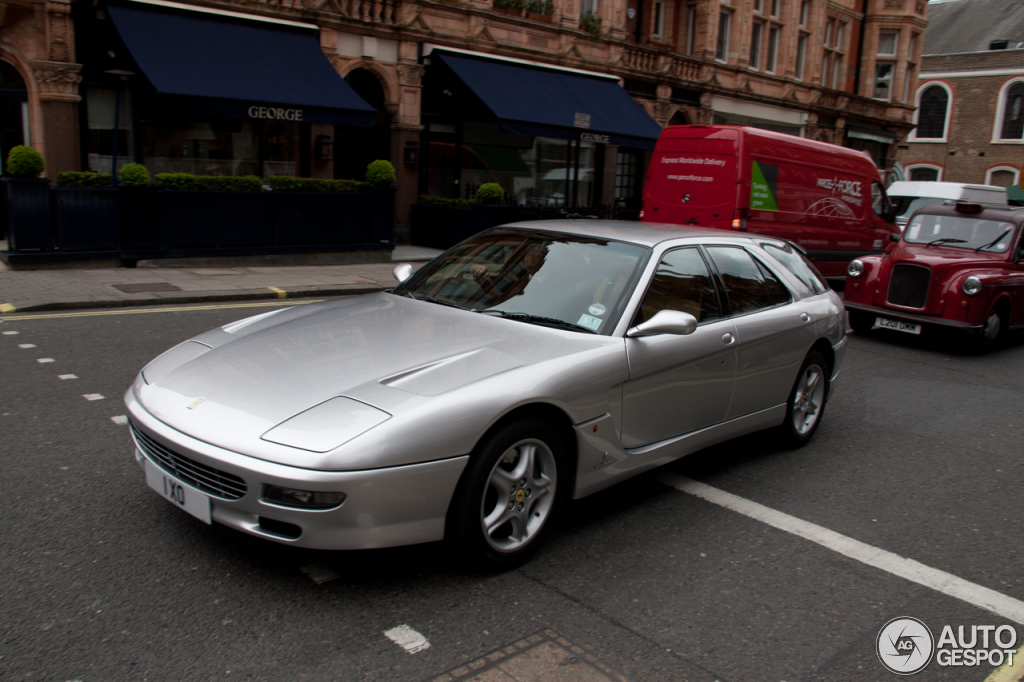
1003,176
659,20
588,7
771,56
932,115
1010,112
911,73
832,70
756,33
888,42
805,12
764,35
691,28
801,55
924,172
722,48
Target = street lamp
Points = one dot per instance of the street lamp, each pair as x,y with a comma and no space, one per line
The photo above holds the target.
122,76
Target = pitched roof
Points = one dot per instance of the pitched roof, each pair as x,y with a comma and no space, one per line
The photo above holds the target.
956,26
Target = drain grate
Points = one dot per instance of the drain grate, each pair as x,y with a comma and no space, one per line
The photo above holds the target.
146,288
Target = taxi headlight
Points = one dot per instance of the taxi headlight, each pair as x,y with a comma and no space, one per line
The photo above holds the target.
855,268
971,285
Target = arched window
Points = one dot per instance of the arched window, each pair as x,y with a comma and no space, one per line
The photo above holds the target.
924,173
1010,113
1002,176
932,113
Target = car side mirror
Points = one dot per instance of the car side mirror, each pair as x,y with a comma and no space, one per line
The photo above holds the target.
402,272
665,322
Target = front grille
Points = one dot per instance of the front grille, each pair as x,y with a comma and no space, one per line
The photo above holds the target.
908,285
211,481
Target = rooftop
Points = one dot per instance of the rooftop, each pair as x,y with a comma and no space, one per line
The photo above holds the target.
958,26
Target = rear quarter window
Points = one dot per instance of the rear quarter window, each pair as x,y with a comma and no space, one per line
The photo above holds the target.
798,265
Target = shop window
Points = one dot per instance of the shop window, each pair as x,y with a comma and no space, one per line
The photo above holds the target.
722,48
1003,176
102,107
1010,114
924,173
883,81
627,167
13,111
932,113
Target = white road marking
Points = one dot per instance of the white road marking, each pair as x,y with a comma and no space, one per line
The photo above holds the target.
120,420
26,345
43,361
914,571
65,377
407,638
10,333
93,396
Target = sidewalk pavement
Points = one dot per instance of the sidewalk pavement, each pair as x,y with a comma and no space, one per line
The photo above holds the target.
64,289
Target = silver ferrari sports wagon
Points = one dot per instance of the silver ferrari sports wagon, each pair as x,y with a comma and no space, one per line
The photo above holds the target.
530,364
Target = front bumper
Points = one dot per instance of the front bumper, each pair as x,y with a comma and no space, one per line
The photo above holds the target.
928,320
383,507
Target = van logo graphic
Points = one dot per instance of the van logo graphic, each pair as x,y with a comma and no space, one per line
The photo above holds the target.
764,180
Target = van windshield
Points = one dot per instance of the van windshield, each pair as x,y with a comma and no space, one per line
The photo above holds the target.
960,232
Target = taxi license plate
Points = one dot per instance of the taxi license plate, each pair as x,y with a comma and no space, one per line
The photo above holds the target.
897,325
180,494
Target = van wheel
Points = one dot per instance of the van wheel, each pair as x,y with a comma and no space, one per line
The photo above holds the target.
806,403
861,322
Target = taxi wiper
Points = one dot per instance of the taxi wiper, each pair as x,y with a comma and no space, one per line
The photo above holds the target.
439,301
995,241
947,240
539,319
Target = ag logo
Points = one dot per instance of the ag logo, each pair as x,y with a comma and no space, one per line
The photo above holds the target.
905,645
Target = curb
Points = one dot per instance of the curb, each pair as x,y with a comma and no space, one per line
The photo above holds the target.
183,297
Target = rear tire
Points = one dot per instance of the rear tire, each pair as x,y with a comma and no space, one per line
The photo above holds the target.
806,403
508,496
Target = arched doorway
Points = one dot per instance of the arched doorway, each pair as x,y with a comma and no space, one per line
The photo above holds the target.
13,110
356,147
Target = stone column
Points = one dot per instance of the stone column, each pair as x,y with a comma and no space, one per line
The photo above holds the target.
405,134
57,80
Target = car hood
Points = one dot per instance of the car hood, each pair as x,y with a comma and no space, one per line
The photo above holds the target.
384,350
946,257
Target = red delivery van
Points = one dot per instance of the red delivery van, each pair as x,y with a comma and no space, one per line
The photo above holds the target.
827,199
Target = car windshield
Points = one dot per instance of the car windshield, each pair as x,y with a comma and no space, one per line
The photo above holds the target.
961,232
907,205
556,280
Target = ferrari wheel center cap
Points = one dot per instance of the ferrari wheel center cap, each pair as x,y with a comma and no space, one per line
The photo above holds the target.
520,495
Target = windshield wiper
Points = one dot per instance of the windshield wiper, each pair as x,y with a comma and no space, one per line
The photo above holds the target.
539,319
994,241
439,301
947,240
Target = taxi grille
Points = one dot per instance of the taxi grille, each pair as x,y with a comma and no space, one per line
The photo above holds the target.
908,285
211,481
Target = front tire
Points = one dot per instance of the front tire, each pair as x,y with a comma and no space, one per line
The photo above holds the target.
508,496
806,404
992,334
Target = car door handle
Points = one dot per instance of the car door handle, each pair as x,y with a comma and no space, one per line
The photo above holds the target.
805,317
728,339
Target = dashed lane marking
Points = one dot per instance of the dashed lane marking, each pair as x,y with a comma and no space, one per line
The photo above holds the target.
10,333
93,396
43,361
914,571
120,420
65,377
281,293
26,345
167,309
407,638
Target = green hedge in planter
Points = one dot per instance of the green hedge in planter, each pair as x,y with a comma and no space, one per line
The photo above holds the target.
490,193
213,183
133,174
282,183
427,200
84,179
25,162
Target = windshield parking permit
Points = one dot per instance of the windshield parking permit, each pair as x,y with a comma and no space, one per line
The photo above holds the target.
589,322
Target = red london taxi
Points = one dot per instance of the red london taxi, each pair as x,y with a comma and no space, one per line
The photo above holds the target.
956,267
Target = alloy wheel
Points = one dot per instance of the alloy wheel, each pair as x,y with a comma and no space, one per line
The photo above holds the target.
808,399
519,495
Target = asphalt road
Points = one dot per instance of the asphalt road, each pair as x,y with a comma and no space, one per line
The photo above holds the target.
100,579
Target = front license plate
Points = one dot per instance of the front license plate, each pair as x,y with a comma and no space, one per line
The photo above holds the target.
180,494
897,325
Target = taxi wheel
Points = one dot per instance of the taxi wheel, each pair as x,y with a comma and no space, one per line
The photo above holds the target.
806,403
508,496
861,322
991,334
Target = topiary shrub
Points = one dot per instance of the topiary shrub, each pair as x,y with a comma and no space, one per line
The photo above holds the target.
427,200
133,174
490,193
84,179
25,162
380,173
214,183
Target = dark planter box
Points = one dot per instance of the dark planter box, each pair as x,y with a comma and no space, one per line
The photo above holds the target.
316,218
383,215
27,214
87,219
197,219
441,227
140,217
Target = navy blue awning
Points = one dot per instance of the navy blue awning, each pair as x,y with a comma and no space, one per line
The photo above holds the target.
545,102
237,68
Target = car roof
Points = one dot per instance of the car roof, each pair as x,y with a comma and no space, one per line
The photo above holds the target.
644,234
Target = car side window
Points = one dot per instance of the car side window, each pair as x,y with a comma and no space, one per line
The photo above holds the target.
800,267
682,282
778,290
744,286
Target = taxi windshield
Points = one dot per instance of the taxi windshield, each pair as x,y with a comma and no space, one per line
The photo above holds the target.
962,232
557,280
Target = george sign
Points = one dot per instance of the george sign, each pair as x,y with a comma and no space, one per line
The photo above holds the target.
275,113
594,137
581,120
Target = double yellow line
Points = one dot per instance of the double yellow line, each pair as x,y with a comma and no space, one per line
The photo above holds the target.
162,309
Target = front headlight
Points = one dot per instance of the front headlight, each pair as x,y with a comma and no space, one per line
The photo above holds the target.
855,268
971,285
302,499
